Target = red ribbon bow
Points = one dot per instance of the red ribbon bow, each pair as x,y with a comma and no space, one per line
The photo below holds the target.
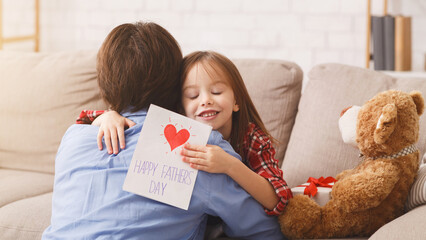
311,189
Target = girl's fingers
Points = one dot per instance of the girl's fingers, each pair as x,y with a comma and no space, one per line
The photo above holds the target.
107,138
194,166
114,141
197,161
121,138
129,122
190,153
99,139
192,147
198,167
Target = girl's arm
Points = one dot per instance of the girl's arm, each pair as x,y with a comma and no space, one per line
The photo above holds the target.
254,184
260,155
214,159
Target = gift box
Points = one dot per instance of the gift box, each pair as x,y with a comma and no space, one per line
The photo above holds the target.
318,189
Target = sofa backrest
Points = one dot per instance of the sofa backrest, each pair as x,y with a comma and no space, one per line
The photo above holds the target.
275,87
315,148
41,94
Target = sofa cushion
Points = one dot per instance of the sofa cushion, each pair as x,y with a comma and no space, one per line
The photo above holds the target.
25,219
275,88
316,148
40,97
16,185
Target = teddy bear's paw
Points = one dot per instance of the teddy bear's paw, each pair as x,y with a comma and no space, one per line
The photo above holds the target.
299,216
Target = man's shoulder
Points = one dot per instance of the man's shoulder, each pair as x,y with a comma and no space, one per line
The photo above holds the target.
80,131
217,139
77,137
83,128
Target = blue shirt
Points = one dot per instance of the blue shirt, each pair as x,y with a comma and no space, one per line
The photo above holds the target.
89,203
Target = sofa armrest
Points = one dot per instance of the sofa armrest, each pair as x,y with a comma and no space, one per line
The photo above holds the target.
408,226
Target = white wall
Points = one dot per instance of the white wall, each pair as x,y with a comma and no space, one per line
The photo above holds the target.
307,32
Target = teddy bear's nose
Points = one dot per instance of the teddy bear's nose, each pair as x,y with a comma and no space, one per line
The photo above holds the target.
344,110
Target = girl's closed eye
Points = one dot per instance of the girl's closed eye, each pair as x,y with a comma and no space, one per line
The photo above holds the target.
191,94
217,90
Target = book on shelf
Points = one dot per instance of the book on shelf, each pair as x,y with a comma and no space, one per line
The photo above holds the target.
402,43
377,28
391,41
383,32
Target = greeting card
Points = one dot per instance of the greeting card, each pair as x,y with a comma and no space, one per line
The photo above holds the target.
156,170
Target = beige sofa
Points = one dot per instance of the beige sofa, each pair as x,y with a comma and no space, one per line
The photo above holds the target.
41,95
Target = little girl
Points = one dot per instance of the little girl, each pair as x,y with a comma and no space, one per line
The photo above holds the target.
214,93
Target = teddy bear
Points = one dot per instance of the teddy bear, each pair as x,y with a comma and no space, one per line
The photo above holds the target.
385,130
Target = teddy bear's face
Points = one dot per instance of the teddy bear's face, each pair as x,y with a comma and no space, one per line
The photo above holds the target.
385,124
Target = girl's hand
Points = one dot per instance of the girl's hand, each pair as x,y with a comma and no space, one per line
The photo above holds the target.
210,158
111,126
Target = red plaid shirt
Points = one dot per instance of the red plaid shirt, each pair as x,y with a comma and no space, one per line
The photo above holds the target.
88,116
259,155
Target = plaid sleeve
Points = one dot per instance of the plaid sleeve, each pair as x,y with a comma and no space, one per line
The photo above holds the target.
260,156
88,116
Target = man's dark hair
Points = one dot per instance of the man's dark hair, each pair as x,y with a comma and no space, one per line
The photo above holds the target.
138,64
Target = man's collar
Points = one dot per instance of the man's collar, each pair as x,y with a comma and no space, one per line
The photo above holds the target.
127,113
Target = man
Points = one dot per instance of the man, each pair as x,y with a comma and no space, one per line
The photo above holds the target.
138,64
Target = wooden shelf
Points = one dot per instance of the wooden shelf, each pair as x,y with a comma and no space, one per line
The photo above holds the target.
402,54
34,37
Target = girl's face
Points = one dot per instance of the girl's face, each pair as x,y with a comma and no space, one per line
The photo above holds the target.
209,99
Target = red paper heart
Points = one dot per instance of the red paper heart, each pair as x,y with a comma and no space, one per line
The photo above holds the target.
175,139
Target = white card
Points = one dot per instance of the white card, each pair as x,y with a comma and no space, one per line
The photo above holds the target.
156,170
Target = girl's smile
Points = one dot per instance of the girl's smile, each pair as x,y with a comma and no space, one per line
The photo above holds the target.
208,115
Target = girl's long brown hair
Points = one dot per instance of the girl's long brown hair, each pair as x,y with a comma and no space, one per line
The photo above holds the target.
217,64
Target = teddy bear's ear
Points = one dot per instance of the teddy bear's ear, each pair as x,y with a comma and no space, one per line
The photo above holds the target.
419,101
386,123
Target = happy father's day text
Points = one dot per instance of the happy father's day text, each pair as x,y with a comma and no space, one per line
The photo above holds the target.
166,172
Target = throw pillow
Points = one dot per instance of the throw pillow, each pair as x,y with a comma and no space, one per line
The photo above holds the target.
417,194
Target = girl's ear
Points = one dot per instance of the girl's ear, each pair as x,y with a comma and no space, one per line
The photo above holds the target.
236,108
